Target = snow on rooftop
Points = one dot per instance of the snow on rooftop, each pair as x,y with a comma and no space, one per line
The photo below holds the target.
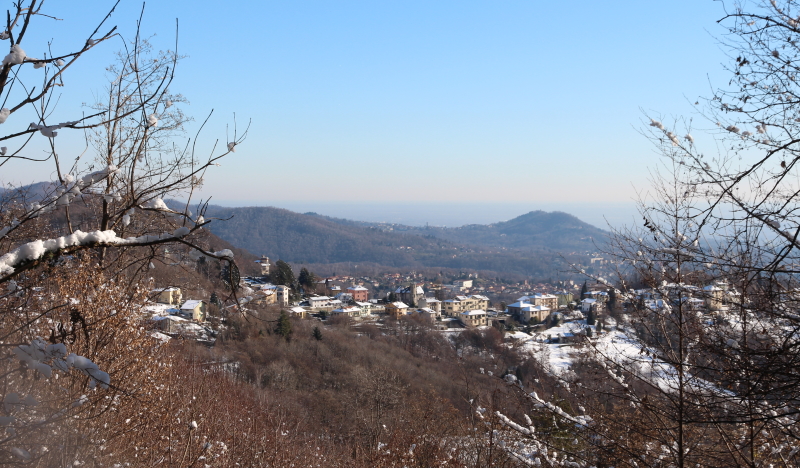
160,336
191,304
173,318
473,312
158,309
518,335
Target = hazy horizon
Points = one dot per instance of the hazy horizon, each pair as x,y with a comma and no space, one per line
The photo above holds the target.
451,214
408,101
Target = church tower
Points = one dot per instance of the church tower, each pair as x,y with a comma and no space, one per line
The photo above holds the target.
264,266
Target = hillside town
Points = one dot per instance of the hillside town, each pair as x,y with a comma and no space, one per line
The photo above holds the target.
461,304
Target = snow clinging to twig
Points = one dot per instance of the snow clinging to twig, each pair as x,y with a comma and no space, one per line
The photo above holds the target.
157,204
673,138
96,176
15,57
225,253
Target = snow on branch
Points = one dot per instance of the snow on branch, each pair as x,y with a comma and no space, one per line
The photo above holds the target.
38,249
42,357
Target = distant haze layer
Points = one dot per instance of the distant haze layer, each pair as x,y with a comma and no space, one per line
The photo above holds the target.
452,214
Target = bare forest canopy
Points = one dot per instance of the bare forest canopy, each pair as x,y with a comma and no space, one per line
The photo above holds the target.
314,239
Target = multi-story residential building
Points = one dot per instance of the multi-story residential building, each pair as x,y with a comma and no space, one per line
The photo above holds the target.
564,297
319,302
397,309
282,292
525,311
298,312
431,303
348,311
591,305
453,307
196,309
599,296
366,307
170,296
265,296
548,300
359,293
473,318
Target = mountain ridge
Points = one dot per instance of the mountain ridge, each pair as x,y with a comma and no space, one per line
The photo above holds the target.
554,230
318,239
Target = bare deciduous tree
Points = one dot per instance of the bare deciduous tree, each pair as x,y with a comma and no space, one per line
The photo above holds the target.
73,256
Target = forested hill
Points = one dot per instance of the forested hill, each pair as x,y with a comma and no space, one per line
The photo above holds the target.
553,230
535,230
310,238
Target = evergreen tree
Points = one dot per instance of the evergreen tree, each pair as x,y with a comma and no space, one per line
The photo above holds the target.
284,327
590,316
215,299
584,288
283,274
317,334
612,299
589,332
306,279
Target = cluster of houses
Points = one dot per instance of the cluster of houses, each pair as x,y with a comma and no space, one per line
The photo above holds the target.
182,312
354,301
716,297
471,310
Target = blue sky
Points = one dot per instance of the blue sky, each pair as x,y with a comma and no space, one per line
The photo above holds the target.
419,101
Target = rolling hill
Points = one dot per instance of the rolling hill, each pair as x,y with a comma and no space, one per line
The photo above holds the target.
537,229
315,239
